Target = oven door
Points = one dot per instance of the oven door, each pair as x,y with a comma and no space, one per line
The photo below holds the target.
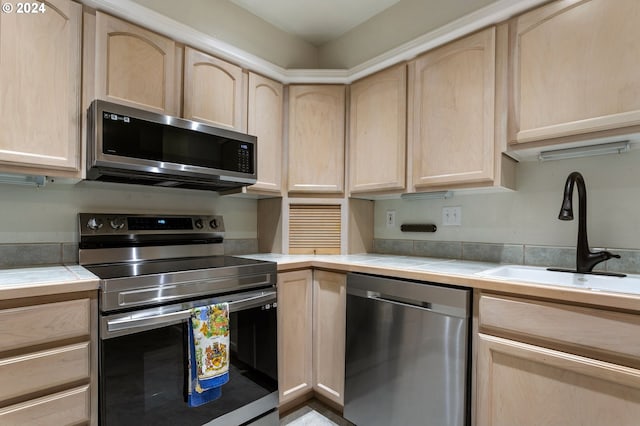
143,365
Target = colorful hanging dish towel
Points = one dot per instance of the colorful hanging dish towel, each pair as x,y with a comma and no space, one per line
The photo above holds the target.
208,353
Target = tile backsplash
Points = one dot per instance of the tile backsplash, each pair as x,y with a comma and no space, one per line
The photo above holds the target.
38,254
520,254
18,255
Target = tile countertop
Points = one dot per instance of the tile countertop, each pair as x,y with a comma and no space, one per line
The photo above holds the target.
40,281
453,272
45,280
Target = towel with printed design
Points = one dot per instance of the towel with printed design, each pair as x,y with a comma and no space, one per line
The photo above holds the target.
208,353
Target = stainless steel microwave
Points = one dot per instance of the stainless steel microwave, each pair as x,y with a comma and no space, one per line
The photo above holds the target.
129,145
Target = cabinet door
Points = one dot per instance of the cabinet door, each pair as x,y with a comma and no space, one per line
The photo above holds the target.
316,139
214,91
135,66
265,115
294,334
377,131
575,69
329,328
40,64
521,384
453,108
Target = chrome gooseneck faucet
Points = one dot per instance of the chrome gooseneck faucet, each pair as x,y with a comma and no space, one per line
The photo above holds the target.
586,260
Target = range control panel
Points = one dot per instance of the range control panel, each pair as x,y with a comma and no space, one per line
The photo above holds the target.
119,224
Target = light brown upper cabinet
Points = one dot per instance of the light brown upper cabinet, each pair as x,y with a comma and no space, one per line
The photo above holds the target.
316,138
452,106
40,69
575,71
135,67
265,120
214,91
377,132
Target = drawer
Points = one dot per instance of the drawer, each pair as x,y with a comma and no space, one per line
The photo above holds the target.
604,331
29,373
63,408
32,325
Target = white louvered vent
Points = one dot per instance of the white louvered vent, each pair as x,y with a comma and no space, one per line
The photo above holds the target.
314,229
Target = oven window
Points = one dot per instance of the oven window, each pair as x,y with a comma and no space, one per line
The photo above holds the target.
144,375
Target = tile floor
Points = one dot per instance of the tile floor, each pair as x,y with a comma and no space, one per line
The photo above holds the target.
313,413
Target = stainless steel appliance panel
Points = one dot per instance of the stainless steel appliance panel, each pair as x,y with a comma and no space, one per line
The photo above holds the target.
153,270
130,145
407,359
143,370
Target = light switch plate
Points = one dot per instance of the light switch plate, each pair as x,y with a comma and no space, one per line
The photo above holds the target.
452,216
390,218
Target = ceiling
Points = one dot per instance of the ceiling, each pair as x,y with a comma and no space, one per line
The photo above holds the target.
316,21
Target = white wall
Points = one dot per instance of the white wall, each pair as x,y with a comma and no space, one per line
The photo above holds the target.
526,216
49,214
232,24
529,215
399,24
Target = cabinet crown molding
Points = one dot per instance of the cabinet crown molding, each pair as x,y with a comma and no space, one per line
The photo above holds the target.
488,15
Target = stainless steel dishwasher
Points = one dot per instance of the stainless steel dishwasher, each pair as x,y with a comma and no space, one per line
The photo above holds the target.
407,353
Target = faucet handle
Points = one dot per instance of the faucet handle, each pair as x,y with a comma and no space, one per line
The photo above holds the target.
610,255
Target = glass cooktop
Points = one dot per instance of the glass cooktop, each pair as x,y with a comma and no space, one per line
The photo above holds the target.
150,267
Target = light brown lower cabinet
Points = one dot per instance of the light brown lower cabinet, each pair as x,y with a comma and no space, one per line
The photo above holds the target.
294,335
47,360
329,328
311,335
544,370
70,407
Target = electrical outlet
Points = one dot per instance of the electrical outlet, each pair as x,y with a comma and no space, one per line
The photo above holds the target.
451,216
390,218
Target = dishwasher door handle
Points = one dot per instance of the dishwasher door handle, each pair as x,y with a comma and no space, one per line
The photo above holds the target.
425,306
436,308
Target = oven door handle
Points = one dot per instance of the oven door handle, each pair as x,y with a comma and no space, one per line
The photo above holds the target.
253,301
126,325
122,324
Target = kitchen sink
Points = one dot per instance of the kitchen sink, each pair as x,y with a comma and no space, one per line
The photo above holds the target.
538,275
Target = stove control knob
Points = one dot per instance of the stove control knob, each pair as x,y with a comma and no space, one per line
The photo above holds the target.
198,223
117,223
213,223
94,224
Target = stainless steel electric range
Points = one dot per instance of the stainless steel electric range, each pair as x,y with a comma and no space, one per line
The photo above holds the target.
153,270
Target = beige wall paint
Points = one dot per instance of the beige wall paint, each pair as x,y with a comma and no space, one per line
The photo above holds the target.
232,24
397,25
529,215
48,214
